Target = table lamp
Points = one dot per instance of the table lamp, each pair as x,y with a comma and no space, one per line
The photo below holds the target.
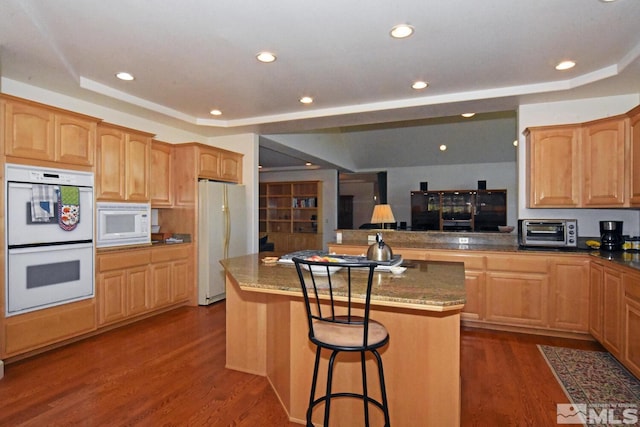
382,215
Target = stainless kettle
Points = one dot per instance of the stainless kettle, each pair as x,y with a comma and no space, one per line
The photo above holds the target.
379,251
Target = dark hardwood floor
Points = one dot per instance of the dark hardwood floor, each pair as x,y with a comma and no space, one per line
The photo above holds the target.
169,371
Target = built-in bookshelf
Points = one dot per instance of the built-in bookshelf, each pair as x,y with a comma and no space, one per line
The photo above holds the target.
290,210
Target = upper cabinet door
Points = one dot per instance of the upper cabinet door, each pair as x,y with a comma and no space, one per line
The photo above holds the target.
29,131
110,168
124,158
209,163
603,149
553,167
161,181
137,160
634,157
75,140
38,132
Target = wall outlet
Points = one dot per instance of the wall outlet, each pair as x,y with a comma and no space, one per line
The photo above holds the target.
371,239
463,240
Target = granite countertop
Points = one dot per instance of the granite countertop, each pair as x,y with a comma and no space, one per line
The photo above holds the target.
425,285
629,259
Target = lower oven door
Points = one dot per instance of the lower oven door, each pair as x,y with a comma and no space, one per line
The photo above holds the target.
46,276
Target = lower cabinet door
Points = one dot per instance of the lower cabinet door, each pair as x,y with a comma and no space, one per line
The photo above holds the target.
517,298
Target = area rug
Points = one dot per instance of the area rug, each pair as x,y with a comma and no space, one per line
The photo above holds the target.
592,378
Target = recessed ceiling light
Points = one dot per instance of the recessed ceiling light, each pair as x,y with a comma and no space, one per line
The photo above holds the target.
515,143
215,112
419,85
306,100
259,166
607,1
443,147
565,65
266,57
468,114
401,31
124,76
308,164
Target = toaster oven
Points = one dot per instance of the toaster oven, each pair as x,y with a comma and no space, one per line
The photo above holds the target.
556,233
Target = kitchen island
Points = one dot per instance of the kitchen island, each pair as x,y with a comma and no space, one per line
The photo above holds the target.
267,335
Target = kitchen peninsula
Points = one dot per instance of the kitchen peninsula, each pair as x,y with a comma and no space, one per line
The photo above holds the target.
267,335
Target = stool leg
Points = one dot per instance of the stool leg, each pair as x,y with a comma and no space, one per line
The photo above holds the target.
327,402
383,390
365,393
313,386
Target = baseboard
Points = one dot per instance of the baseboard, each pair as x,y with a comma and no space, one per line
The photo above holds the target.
527,330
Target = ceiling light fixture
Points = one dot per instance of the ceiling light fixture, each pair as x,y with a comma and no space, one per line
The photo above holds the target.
308,164
565,65
443,147
419,85
306,100
125,76
215,112
266,57
515,143
401,31
467,115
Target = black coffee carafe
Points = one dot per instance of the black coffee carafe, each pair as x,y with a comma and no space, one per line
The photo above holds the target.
611,235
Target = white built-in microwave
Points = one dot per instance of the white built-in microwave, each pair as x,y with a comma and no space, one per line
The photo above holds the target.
120,224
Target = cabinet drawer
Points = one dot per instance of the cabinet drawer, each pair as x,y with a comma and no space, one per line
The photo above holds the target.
34,330
173,253
516,263
471,262
123,259
632,286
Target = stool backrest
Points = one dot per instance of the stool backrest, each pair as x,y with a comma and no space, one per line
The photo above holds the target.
329,296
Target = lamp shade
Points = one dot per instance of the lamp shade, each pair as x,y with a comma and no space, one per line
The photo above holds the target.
382,214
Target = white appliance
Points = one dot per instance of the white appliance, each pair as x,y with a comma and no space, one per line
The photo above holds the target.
122,224
49,241
222,225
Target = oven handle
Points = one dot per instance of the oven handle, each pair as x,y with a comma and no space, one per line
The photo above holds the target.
85,243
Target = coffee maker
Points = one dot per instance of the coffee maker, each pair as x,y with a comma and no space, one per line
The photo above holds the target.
611,235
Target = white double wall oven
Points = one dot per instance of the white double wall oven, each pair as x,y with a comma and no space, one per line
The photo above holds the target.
49,224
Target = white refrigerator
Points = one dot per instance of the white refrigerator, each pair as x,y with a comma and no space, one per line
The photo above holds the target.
222,233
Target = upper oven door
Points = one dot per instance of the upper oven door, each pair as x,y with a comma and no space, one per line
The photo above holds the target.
23,230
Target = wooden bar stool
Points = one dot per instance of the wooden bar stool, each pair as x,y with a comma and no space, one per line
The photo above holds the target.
335,327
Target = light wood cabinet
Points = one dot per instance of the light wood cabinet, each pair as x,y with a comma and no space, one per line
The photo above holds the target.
553,166
603,164
39,132
123,164
517,298
585,165
172,278
474,272
219,165
290,213
612,312
631,323
161,174
123,285
634,157
569,296
31,331
596,301
137,281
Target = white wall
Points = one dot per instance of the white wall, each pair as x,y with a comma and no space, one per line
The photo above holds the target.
329,178
579,111
363,200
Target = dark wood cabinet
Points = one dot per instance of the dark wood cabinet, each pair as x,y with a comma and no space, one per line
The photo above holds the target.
458,210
